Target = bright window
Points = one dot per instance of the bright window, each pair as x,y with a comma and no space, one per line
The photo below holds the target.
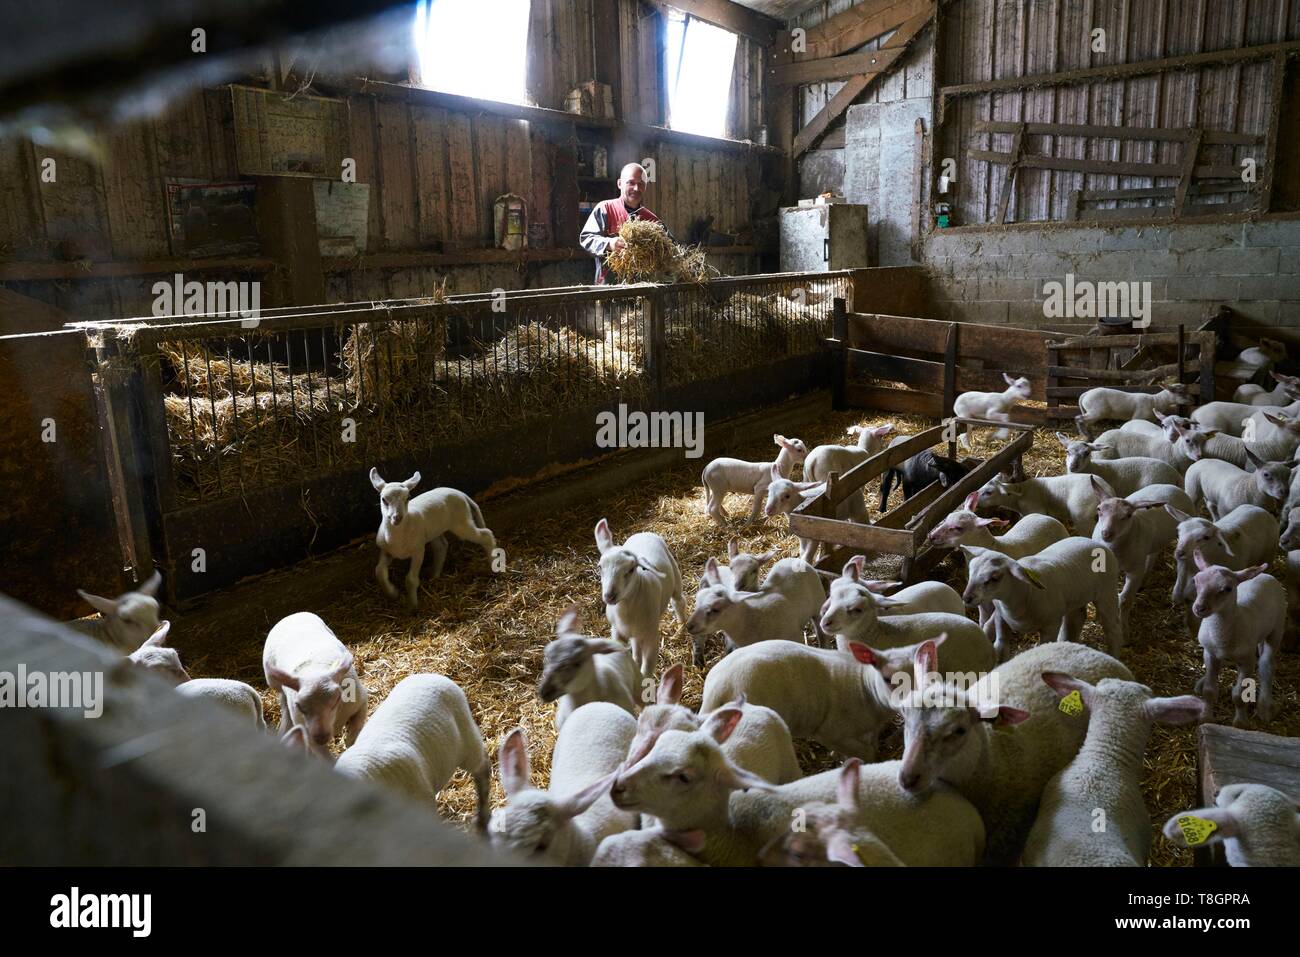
473,48
699,60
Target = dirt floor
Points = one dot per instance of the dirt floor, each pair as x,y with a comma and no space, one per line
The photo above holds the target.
486,631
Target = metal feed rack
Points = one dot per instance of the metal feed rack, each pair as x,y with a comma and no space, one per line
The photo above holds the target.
902,530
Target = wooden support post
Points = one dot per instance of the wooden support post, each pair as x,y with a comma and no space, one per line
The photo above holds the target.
950,380
1008,184
1072,210
1193,148
1182,352
1274,131
918,186
1209,343
840,331
286,220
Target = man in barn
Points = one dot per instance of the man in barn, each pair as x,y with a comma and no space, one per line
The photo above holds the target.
600,234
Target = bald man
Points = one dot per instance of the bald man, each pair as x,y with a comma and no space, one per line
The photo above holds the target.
600,234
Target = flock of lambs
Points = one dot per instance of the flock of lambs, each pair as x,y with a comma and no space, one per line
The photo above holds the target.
1033,759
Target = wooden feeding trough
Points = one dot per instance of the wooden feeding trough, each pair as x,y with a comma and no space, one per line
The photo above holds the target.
902,530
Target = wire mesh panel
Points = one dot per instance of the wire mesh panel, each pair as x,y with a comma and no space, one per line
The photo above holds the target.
324,390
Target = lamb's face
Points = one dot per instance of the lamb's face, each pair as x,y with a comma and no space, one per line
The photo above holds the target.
393,502
1290,539
996,494
1216,591
318,702
1114,519
710,605
1172,423
1196,533
955,529
1077,456
744,570
849,609
796,449
782,498
1021,388
932,738
562,661
531,825
135,619
988,577
617,570
1192,444
679,781
162,662
1274,480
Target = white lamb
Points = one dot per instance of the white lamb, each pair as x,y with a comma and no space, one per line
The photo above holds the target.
314,675
1231,417
926,596
1243,619
834,834
993,406
822,694
1187,447
1049,592
637,581
241,698
1222,486
417,738
825,459
1124,475
761,743
791,597
1285,390
742,568
155,657
1275,441
853,613
1168,426
578,669
1002,772
1138,529
1097,405
407,526
724,475
1070,499
730,815
1252,361
566,823
1258,825
1243,537
784,496
1092,813
127,621
649,847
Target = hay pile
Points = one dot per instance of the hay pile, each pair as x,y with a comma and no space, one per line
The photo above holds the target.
651,256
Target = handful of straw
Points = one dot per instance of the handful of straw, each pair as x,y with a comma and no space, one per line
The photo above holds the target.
649,255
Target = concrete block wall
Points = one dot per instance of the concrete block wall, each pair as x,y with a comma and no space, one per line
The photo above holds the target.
997,275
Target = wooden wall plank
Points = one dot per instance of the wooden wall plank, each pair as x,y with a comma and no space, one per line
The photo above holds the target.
395,170
490,169
134,196
464,203
428,128
361,143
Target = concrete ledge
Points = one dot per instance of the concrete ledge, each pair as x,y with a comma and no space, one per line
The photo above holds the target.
122,788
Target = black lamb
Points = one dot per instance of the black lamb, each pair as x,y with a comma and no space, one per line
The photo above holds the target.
918,472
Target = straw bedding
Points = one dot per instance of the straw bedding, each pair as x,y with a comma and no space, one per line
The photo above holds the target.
487,631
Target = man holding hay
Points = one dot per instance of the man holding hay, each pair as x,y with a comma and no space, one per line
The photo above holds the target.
600,234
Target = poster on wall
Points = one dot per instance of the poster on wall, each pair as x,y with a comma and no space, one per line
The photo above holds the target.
342,217
282,134
212,219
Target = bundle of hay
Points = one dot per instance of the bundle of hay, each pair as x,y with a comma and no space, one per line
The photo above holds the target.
381,360
651,256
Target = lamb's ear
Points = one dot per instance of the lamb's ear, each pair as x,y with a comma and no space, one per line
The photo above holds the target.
295,739
881,431
850,570
1252,458
995,522
150,587
733,549
670,686
973,551
1199,557
1027,575
878,586
925,660
105,606
512,759
847,787
159,637
279,678
1177,515
1205,825
342,667
376,480
971,501
570,623
412,482
738,779
1009,381
1183,709
1098,489
1007,715
580,800
1246,574
1064,439
863,653
604,537
720,723
839,850
712,573
1064,684
604,646
776,472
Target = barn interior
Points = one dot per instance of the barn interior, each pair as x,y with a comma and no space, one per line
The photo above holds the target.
250,253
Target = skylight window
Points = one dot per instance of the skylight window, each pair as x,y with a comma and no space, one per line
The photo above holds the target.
699,59
466,49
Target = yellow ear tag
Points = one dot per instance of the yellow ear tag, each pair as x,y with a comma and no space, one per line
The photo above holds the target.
1072,704
1033,577
1196,829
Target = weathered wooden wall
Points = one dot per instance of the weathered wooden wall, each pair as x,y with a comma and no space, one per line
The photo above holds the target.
996,39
